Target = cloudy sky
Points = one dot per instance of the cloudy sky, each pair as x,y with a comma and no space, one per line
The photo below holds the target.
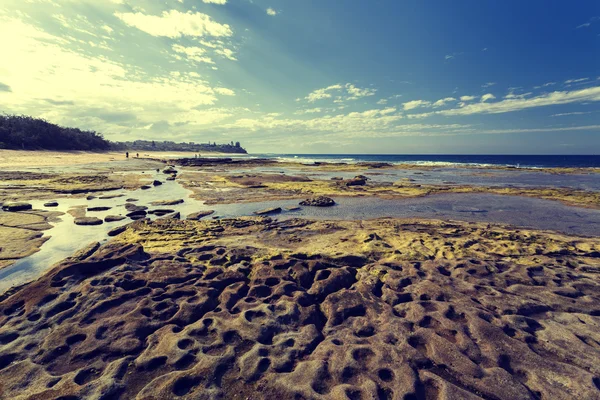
312,76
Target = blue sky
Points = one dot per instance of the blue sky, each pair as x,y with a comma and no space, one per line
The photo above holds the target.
308,76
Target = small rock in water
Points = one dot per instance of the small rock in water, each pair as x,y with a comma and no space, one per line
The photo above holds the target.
137,215
320,201
337,178
16,206
134,207
171,178
199,215
98,208
51,204
293,208
128,200
117,231
356,182
267,211
161,212
145,187
157,183
114,218
110,196
169,170
166,202
90,197
88,221
175,215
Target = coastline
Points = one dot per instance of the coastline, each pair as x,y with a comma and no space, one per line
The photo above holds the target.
193,267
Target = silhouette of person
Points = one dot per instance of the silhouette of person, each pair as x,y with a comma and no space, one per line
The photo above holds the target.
126,154
137,155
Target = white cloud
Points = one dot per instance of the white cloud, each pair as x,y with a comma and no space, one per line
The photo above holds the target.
510,105
467,98
382,102
443,102
352,93
488,84
214,1
585,25
227,53
193,53
271,12
175,24
570,81
410,105
487,96
224,91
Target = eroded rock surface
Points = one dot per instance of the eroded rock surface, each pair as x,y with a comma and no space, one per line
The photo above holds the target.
253,308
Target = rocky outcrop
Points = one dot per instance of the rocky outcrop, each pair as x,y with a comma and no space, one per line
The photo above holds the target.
387,321
320,201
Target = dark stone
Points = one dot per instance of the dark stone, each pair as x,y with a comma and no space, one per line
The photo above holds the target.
51,204
135,215
146,187
320,201
88,221
133,207
117,231
16,206
114,218
267,211
200,214
157,183
161,212
166,202
98,208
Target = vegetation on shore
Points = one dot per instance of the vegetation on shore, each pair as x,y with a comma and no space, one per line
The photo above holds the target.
20,132
28,133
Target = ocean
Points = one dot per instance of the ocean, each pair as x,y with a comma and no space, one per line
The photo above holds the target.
525,161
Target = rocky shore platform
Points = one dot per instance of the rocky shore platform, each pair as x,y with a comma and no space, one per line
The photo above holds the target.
254,308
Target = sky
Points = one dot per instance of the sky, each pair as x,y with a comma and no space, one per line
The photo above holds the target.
312,76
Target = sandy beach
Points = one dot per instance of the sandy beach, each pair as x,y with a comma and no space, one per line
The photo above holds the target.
10,159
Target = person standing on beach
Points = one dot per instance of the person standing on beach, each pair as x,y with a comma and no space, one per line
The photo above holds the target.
126,154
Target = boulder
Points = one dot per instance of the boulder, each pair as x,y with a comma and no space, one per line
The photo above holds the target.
169,170
171,178
16,206
320,201
146,187
166,202
114,218
267,211
51,204
90,197
88,221
156,183
131,200
199,215
98,208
